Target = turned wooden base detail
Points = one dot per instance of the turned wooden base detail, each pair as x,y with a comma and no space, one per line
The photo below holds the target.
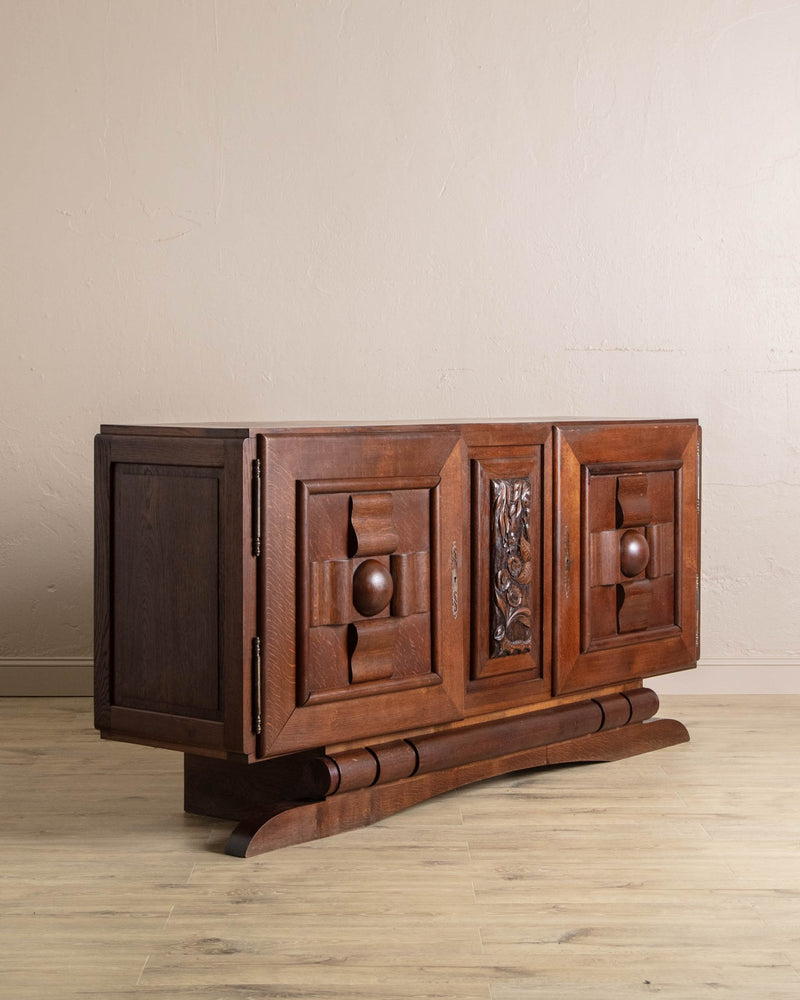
314,794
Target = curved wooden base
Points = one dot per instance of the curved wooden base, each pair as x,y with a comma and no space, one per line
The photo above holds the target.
283,823
316,793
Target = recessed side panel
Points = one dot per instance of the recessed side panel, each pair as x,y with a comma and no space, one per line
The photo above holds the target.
165,584
626,551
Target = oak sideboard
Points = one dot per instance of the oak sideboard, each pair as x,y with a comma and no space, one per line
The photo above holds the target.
333,623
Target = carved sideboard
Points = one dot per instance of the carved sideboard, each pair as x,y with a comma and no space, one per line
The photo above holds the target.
334,623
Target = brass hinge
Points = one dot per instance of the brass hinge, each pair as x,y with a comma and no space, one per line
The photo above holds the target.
256,665
256,507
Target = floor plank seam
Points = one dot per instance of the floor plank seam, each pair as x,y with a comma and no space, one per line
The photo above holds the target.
139,980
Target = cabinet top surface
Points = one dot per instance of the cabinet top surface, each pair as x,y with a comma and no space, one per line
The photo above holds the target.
248,429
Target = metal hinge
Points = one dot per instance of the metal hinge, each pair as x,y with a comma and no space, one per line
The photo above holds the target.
699,472
697,618
697,578
454,579
256,666
256,507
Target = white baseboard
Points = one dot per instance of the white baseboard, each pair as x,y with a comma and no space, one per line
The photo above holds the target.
71,676
61,676
759,675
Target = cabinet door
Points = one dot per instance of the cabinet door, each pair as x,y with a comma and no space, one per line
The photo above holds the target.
174,591
360,585
626,551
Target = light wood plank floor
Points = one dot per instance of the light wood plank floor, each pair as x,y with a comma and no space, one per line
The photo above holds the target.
674,874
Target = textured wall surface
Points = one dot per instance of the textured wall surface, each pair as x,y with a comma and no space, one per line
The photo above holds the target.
376,209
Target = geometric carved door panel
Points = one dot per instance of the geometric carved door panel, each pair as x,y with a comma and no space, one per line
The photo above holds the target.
367,591
370,636
629,575
626,562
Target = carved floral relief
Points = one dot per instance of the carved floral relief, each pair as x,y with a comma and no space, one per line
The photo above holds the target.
511,567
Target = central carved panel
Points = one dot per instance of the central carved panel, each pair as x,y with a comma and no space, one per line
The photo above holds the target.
507,566
511,568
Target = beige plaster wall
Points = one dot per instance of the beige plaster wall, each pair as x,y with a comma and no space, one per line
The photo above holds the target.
372,209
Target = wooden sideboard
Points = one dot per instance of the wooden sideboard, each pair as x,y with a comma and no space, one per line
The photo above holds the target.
333,623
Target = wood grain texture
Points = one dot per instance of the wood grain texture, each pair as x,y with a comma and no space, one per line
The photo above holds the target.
330,592
412,583
372,522
373,645
633,502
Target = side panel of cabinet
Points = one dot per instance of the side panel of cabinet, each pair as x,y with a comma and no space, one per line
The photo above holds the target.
174,592
360,586
626,561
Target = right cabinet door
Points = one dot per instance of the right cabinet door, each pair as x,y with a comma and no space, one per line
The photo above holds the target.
626,554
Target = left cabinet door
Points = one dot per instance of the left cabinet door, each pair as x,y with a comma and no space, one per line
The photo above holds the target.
363,597
174,591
